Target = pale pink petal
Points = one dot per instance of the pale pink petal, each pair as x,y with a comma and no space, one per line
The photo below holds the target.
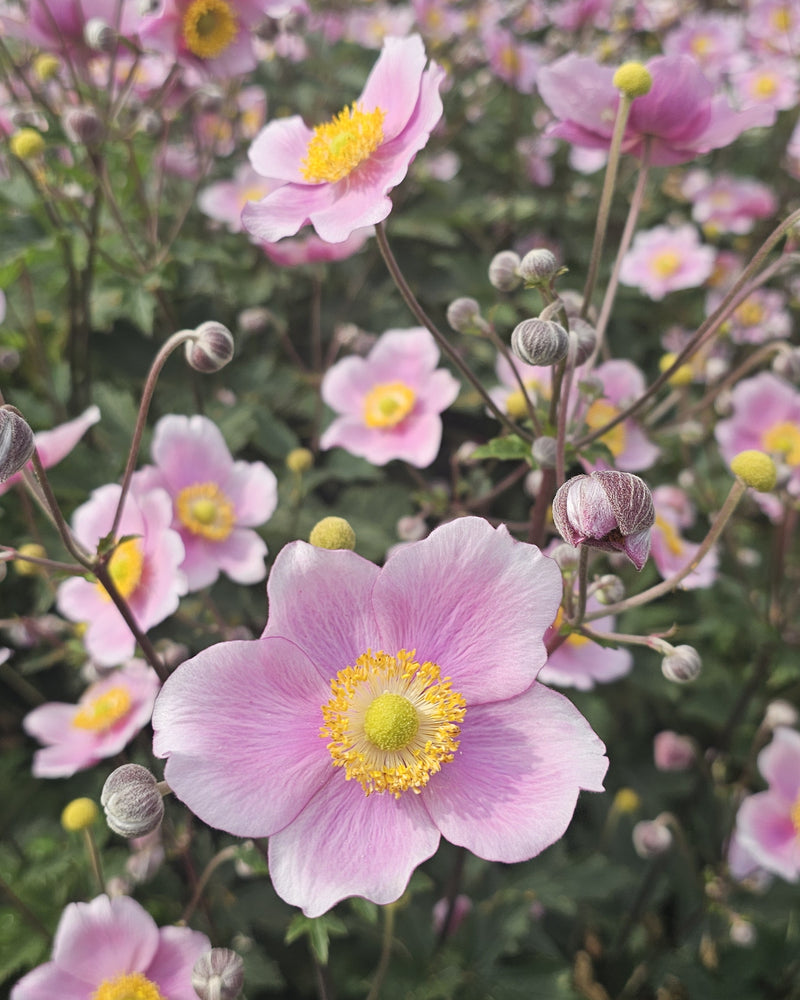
55,444
404,355
779,762
240,725
242,556
49,981
439,391
767,833
345,385
415,440
357,201
285,211
50,723
394,83
171,968
512,787
279,149
183,445
347,844
253,490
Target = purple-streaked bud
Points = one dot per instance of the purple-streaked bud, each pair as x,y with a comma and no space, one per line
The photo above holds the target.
583,338
132,802
83,126
99,35
607,510
211,349
673,752
682,665
464,316
543,452
503,271
538,267
218,975
651,837
16,442
539,342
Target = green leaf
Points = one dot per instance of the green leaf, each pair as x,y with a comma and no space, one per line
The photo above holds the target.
508,448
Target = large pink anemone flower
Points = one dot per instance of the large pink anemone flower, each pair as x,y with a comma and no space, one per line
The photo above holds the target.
216,501
382,709
338,175
389,403
113,947
109,714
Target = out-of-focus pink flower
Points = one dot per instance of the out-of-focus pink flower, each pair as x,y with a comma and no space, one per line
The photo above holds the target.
630,448
508,396
775,24
337,176
511,60
673,752
670,550
722,203
114,947
310,249
439,21
224,200
461,908
144,567
572,15
431,722
773,83
768,823
666,258
389,403
58,25
109,714
676,121
55,444
714,40
762,316
580,663
216,501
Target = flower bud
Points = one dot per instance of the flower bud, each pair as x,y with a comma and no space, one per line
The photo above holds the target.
742,933
17,442
543,451
503,271
787,364
651,837
461,907
411,528
633,79
299,460
538,267
27,144
608,589
608,510
83,126
673,752
218,975
540,342
464,316
211,349
583,339
682,665
333,533
565,557
756,469
79,814
99,35
780,713
132,802
255,319
151,123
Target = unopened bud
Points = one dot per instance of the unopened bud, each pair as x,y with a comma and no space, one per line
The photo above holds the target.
742,933
16,442
99,35
780,713
79,814
540,342
27,144
333,533
464,316
538,267
755,469
256,319
543,451
673,752
218,975
583,338
83,125
299,460
503,271
565,557
608,589
151,123
651,837
132,802
411,528
456,911
682,665
211,349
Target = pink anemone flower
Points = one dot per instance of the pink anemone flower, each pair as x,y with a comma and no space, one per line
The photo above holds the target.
580,663
768,823
57,443
382,709
113,947
144,567
59,25
338,175
665,259
669,549
216,501
389,402
630,448
109,714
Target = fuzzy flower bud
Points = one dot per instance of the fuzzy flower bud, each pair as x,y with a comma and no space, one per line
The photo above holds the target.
79,814
756,469
539,342
651,838
411,528
132,802
682,665
608,589
503,271
633,79
16,442
211,349
458,911
565,557
780,713
543,452
218,975
255,319
99,35
333,533
583,338
673,752
27,144
299,460
83,126
538,267
464,316
607,510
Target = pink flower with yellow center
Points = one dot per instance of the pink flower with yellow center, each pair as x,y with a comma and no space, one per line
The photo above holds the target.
109,714
389,403
112,949
665,259
144,566
382,709
669,549
217,502
580,663
337,176
630,448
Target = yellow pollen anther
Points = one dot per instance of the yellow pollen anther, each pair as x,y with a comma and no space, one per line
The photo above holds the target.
102,712
750,312
765,85
205,510
756,469
337,147
665,263
783,439
130,986
700,44
125,567
599,414
670,535
385,405
209,27
391,722
782,18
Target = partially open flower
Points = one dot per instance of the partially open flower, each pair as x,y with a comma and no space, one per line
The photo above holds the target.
607,510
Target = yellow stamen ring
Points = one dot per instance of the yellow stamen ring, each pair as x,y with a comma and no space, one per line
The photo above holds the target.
391,722
209,27
102,712
130,986
387,404
337,147
205,510
125,567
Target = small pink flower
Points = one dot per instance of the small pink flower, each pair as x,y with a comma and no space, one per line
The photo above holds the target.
216,501
670,550
109,714
58,25
381,710
114,947
713,40
775,24
630,448
673,752
310,249
728,204
145,569
224,200
773,83
511,60
762,316
768,823
55,444
666,258
389,402
337,176
580,663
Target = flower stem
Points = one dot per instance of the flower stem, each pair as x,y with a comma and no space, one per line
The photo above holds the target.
389,912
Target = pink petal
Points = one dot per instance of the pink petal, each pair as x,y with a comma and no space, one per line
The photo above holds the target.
779,762
242,556
280,148
253,490
55,444
394,82
285,211
766,831
189,450
171,969
48,981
